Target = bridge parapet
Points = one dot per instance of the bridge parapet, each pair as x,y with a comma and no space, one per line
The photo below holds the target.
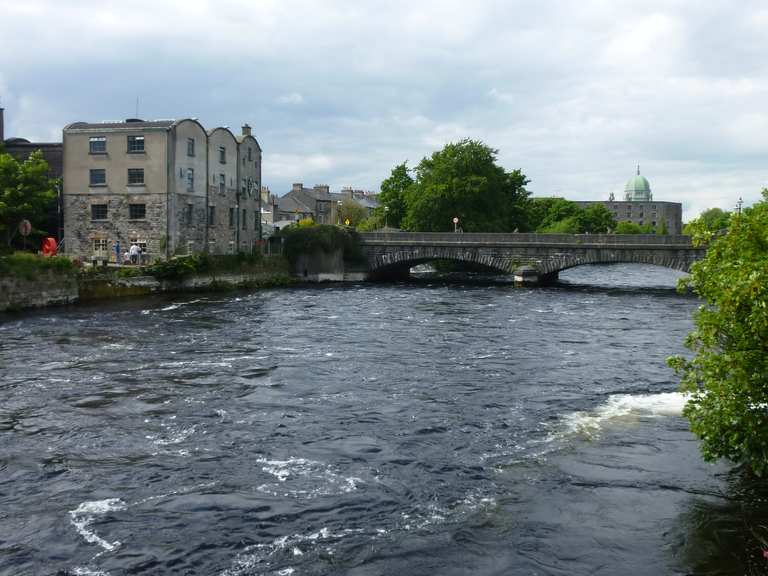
524,239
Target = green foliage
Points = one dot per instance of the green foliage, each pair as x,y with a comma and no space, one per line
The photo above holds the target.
29,266
393,193
26,191
463,180
305,223
662,229
561,216
374,222
727,378
352,211
322,238
709,222
632,228
182,267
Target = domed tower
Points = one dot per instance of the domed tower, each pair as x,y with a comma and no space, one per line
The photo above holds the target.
638,189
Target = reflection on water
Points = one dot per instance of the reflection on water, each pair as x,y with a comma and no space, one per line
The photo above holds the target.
438,428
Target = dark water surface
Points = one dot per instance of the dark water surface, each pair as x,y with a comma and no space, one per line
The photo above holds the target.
395,429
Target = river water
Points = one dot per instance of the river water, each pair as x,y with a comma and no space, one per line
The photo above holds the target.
368,429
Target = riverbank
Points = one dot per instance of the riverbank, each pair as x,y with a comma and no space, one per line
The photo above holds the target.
28,281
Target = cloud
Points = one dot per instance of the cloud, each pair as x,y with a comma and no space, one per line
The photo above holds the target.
574,94
292,98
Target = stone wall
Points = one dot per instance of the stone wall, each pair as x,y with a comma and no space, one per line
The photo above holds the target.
47,288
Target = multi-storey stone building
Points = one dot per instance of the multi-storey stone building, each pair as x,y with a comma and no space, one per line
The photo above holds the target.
168,186
640,208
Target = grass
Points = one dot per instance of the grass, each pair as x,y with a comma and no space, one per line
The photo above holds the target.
30,266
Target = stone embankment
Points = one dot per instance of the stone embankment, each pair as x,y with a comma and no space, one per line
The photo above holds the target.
44,288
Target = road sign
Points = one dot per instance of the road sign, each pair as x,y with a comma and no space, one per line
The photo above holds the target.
25,227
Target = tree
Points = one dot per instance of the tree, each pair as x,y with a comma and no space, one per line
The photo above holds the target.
26,192
463,181
544,213
352,211
392,196
632,228
561,216
708,222
727,378
597,219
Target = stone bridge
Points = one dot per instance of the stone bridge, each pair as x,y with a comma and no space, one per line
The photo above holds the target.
530,257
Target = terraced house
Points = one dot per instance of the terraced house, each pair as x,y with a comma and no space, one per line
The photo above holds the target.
169,186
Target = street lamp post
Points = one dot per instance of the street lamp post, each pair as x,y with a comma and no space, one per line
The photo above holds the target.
386,213
338,211
455,224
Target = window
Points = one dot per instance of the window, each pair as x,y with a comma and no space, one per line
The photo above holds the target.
98,211
231,217
97,145
135,144
190,179
222,184
137,211
190,146
211,215
135,176
98,177
222,155
100,245
250,154
190,213
245,222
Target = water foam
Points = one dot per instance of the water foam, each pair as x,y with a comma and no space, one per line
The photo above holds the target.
314,478
86,513
625,407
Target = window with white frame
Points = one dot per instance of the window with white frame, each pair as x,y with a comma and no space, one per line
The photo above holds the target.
135,144
100,246
190,179
97,145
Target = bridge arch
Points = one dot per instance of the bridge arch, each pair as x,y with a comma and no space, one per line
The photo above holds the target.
398,263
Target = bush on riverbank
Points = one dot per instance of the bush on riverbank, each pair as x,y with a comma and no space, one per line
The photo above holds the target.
185,266
30,266
305,240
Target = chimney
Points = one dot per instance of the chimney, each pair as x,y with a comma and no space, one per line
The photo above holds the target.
246,130
2,126
297,187
322,188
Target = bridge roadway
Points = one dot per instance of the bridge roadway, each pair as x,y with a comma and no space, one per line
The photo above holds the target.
530,257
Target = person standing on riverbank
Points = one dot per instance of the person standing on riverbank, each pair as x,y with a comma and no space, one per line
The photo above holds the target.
134,252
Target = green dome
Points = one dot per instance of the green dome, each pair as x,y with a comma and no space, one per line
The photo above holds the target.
638,188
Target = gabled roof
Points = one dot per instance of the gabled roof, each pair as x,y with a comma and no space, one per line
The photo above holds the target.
292,204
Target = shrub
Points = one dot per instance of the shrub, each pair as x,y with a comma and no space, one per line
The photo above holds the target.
30,265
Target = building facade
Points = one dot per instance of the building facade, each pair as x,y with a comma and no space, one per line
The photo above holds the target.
168,186
639,207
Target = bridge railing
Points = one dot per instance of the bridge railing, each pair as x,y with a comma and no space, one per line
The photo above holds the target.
525,238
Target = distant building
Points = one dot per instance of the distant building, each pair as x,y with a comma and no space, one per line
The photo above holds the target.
318,203
640,208
167,185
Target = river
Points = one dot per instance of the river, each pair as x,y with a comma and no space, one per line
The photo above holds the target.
417,429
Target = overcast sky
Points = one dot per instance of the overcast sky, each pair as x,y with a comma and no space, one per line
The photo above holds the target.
338,92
